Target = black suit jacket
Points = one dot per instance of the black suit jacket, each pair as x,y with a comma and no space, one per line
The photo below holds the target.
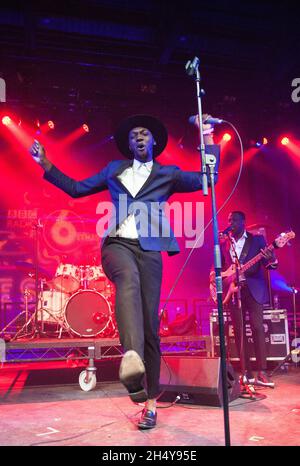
255,276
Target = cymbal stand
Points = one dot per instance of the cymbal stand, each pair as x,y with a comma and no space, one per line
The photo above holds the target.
83,276
33,318
16,318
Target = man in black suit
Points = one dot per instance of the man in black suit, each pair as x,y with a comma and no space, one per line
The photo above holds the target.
240,245
132,244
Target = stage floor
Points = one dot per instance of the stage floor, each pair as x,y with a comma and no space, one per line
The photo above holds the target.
65,415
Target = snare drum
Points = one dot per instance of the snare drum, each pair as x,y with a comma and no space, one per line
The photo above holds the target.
51,306
67,278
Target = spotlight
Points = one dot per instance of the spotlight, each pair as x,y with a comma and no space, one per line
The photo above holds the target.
51,124
86,128
6,120
226,137
260,142
285,140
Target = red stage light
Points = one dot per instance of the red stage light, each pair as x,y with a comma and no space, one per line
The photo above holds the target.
265,141
51,124
285,140
86,128
226,137
6,120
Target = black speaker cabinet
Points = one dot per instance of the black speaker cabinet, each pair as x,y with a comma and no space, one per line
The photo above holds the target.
196,380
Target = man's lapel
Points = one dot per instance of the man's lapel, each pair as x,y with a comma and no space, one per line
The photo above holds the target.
246,248
123,165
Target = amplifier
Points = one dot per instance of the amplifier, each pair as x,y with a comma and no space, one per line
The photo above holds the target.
276,335
196,380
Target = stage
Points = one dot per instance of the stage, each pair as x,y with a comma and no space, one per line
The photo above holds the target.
65,415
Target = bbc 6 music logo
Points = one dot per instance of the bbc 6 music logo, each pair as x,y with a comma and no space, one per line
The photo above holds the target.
296,91
2,90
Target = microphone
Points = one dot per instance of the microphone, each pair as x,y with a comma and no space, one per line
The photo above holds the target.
209,120
191,66
226,231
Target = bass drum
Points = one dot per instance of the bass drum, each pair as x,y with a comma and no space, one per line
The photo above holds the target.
87,313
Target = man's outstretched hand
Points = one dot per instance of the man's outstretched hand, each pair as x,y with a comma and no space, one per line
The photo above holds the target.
39,155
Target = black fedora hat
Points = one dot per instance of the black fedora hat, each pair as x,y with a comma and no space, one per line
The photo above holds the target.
154,125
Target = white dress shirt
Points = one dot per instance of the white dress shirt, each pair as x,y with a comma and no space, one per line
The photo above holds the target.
238,246
133,178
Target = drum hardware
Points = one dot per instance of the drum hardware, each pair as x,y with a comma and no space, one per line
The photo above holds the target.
36,270
26,294
78,300
83,277
43,314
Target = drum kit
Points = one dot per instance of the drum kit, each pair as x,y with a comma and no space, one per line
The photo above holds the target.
79,300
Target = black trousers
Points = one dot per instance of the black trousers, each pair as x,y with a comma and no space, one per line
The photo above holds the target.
255,312
137,275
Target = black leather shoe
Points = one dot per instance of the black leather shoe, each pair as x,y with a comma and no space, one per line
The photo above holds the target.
131,373
148,419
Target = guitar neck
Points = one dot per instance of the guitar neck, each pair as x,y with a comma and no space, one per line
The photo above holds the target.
254,260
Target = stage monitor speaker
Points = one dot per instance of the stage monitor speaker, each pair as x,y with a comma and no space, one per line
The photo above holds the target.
196,380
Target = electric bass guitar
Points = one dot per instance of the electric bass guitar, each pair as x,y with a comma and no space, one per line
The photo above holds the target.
229,276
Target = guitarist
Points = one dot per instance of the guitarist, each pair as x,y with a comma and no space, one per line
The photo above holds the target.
241,245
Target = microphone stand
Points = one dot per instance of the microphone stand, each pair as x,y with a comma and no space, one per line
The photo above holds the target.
38,226
244,383
209,161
